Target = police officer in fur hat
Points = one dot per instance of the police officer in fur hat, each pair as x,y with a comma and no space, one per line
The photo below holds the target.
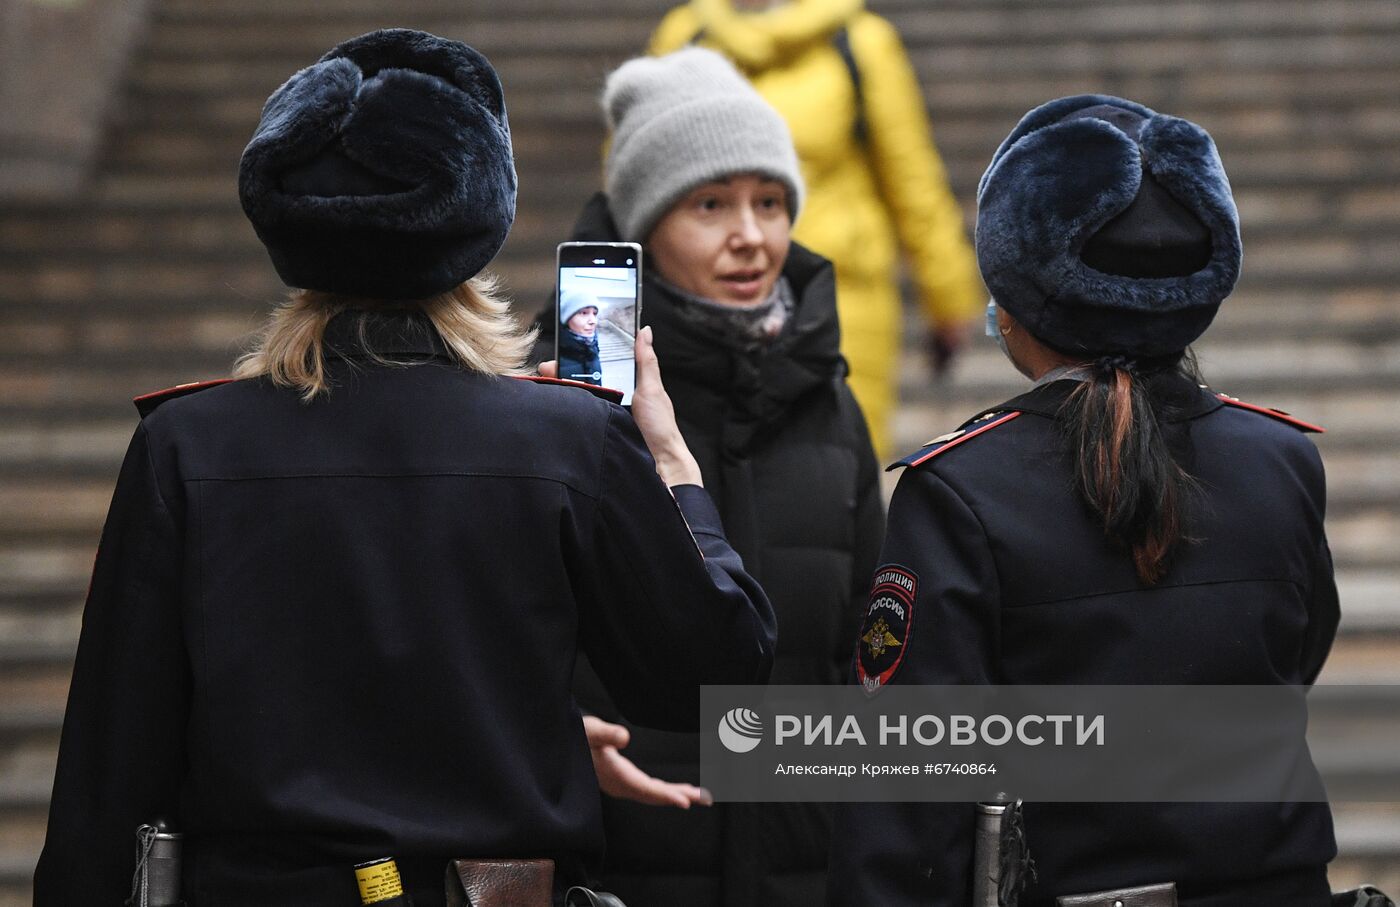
337,602
1118,523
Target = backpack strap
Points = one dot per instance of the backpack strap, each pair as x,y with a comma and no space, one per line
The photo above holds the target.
842,42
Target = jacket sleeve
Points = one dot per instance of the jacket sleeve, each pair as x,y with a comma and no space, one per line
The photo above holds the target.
869,531
1324,609
665,602
1324,614
122,756
898,854
911,176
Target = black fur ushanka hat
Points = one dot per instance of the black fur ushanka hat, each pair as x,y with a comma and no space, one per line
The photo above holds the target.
383,171
1106,228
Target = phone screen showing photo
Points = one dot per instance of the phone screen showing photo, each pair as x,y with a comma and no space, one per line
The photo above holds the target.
597,312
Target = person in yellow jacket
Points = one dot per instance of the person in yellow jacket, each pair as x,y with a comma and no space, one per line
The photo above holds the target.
841,78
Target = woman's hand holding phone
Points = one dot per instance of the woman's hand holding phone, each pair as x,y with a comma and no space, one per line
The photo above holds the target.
655,416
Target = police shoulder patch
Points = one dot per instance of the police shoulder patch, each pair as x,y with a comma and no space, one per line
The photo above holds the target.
1272,413
605,393
146,403
944,443
887,627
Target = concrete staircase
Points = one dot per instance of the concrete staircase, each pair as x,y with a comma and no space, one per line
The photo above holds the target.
155,277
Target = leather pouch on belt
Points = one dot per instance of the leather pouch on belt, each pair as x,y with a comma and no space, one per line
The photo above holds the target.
500,883
1163,895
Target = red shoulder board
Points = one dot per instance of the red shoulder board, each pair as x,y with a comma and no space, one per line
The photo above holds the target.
945,443
1272,413
603,393
146,403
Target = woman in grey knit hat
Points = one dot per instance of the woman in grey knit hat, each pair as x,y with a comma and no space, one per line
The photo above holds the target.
702,172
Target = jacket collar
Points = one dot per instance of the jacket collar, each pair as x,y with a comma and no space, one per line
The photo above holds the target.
1184,400
759,40
389,334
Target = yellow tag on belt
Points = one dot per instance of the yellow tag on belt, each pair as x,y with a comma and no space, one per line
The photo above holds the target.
379,881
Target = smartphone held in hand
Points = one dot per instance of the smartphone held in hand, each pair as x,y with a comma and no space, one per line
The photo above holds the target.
598,308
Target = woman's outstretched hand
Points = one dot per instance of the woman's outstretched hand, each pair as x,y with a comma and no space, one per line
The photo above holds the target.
619,776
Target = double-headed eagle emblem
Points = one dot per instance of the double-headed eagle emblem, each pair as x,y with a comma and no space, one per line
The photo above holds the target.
879,638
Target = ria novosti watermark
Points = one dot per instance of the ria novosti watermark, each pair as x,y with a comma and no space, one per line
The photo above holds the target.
930,730
1068,743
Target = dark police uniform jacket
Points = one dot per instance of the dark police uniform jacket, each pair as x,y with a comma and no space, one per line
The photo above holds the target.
323,633
1016,584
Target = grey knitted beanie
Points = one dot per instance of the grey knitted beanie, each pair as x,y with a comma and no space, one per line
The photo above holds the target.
572,301
683,120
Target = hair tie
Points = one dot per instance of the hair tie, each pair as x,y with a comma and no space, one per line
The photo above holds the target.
1110,364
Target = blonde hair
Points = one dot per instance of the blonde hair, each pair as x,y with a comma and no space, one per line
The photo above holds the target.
473,322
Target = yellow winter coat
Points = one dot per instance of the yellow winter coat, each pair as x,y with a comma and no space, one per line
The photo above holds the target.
862,196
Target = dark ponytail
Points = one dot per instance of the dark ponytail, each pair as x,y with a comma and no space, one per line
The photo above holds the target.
1125,470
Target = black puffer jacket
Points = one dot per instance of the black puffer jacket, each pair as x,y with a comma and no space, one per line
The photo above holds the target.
785,455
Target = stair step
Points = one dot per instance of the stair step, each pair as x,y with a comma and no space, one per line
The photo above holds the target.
198,335
982,378
216,230
1319,264
163,224
1360,659
1102,62
229,119
983,374
212,337
1263,156
49,448
245,11
230,97
1196,89
1249,24
608,40
1353,420
46,506
300,41
36,693
1354,100
21,840
26,773
255,10
1337,176
1142,22
113,281
47,570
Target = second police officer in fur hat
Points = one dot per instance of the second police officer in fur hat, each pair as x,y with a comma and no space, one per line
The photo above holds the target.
337,603
1116,524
